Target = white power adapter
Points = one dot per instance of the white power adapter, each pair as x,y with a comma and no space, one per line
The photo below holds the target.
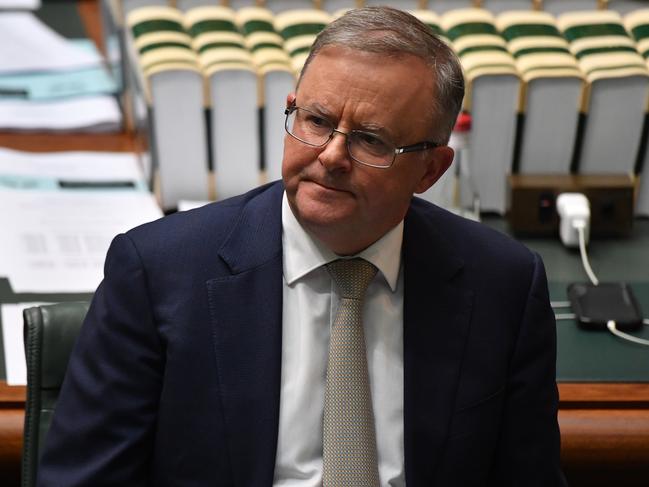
574,214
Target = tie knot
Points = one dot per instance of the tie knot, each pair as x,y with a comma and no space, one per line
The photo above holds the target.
352,276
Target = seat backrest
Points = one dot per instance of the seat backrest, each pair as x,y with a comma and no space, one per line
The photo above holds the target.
50,332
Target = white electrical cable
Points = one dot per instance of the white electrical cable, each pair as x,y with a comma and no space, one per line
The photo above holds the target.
625,336
569,208
580,226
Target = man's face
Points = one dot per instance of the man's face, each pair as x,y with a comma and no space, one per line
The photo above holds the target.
346,205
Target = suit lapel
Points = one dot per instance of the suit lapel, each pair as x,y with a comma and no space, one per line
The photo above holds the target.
246,309
246,315
437,311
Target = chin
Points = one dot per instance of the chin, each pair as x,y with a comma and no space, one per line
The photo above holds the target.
322,203
316,217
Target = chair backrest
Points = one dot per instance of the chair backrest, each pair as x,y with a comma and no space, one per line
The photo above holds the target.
50,332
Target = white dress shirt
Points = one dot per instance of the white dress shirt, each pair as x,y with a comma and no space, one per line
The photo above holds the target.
310,302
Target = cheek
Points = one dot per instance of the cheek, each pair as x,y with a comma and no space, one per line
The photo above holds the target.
296,158
394,191
290,161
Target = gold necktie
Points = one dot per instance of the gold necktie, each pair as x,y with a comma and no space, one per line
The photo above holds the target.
349,439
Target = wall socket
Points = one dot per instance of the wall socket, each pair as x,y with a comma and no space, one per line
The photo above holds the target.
532,202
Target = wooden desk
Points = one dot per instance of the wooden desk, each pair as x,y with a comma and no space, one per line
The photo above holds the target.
604,433
12,413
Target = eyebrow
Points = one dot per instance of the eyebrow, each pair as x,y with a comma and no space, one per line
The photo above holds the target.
380,130
371,127
316,107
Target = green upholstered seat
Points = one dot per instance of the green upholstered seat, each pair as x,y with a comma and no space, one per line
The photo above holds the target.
50,334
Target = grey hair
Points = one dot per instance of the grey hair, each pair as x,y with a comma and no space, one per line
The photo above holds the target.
385,30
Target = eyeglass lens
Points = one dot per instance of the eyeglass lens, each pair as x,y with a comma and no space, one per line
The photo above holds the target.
315,130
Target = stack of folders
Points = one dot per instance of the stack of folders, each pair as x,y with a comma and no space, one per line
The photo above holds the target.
165,73
299,29
615,102
492,98
51,83
546,94
231,81
239,65
276,80
637,23
551,92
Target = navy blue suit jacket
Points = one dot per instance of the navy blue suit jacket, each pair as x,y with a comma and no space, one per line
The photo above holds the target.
175,379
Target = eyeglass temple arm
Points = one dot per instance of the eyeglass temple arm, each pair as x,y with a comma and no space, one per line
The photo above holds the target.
416,147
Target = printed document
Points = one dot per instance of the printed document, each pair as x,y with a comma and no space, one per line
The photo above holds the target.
58,221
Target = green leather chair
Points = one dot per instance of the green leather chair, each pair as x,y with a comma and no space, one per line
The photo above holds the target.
50,332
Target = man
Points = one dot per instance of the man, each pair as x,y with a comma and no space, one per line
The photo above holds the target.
211,354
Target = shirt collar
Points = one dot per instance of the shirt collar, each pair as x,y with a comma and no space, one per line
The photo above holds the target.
303,253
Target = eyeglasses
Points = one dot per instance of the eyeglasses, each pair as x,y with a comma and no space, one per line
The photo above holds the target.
364,147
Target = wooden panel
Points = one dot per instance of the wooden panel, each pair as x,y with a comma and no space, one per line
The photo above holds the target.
601,437
11,396
44,142
605,447
11,443
90,14
622,395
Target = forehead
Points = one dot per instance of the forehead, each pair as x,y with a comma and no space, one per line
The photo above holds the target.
359,88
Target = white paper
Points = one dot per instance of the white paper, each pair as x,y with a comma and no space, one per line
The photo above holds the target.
74,165
14,346
20,4
54,85
28,44
88,112
58,240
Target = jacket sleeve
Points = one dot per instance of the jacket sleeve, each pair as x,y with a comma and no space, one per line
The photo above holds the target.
529,448
103,427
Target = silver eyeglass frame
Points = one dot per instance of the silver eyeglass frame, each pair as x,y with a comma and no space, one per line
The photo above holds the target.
419,146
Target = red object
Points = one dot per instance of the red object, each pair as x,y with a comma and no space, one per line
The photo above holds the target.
463,122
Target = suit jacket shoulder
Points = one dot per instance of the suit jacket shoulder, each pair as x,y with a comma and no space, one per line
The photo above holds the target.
197,236
477,244
145,399
479,351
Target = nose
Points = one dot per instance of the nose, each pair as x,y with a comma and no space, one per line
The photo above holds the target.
335,156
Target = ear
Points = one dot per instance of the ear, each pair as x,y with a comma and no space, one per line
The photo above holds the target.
290,100
439,161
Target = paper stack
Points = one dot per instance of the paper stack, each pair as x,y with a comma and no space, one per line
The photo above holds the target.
50,83
63,210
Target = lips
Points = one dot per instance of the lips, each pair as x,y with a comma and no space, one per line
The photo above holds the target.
329,187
